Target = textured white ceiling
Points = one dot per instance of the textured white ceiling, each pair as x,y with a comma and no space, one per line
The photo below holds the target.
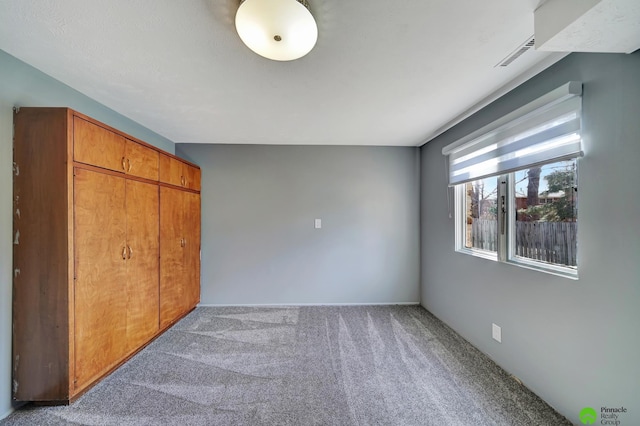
588,26
382,72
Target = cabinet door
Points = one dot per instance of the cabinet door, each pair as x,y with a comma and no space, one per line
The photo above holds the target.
192,249
191,177
171,255
98,146
100,274
171,170
142,161
175,172
143,297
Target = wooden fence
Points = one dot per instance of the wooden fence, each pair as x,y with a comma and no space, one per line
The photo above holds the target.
553,242
484,234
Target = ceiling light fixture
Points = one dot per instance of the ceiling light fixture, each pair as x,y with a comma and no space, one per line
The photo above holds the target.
282,30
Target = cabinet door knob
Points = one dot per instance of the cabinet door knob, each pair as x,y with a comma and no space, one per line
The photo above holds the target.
128,164
130,252
124,252
124,165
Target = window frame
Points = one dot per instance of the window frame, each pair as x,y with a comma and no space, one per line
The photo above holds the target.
460,215
506,243
511,257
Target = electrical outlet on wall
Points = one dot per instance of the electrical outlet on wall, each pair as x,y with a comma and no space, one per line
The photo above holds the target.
496,332
318,223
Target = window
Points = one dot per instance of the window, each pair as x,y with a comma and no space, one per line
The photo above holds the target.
516,185
544,222
480,211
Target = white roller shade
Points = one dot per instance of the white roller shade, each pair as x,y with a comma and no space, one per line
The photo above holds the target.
546,130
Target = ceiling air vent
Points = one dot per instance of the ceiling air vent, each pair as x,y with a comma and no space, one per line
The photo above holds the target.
517,53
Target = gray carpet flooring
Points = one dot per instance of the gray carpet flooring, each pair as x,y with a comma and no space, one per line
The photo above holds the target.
355,365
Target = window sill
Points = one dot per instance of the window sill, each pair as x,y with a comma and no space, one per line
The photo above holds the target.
479,253
546,268
524,263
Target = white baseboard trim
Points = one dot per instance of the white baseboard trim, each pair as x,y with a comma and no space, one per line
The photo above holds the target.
292,305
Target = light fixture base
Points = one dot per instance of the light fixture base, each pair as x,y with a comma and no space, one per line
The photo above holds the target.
282,30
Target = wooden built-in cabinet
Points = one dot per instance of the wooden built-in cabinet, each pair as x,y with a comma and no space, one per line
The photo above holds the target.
179,215
176,172
106,251
98,146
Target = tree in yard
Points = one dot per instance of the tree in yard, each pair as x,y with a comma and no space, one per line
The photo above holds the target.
480,202
564,208
474,190
560,180
532,187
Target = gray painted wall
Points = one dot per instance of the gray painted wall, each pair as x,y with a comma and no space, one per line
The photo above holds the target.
21,84
574,343
259,245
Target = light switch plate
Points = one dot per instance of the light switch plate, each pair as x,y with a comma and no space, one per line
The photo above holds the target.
318,223
496,332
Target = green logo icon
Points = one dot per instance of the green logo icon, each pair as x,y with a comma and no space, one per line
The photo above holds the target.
588,416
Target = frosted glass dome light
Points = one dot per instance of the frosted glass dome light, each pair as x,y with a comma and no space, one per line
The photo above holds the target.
282,30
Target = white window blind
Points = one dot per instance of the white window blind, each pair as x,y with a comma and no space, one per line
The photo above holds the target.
547,129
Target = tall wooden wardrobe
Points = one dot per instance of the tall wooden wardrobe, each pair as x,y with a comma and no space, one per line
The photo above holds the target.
106,250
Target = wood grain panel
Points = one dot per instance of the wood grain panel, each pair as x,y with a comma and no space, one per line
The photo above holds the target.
71,359
95,145
192,249
171,255
40,263
170,170
143,250
100,290
142,161
192,177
